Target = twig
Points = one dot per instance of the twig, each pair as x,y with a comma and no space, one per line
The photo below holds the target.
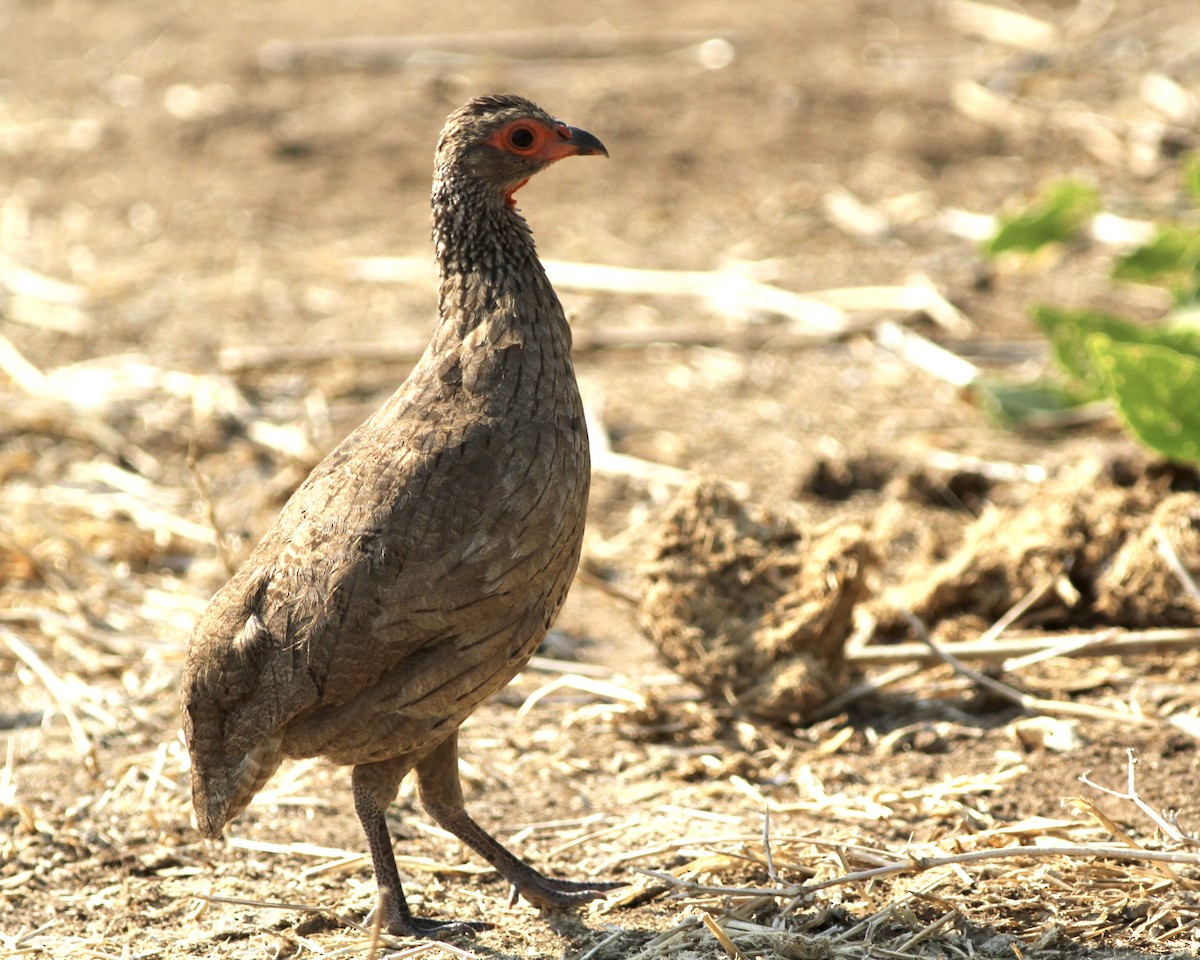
999,25
554,665
990,469
614,590
850,215
428,947
766,842
921,864
607,460
407,350
1023,700
20,281
1168,552
1131,794
731,294
926,355
986,105
658,946
22,937
820,314
865,925
281,905
926,932
721,936
600,947
1104,643
1019,609
67,592
52,415
918,295
734,294
803,891
28,378
375,932
298,849
57,690
397,350
409,863
377,923
553,44
1072,646
587,685
869,685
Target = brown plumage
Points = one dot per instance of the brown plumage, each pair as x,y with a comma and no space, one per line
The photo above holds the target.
421,563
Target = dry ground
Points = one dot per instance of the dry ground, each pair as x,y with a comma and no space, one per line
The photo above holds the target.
198,196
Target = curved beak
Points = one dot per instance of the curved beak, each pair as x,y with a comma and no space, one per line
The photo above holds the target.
580,143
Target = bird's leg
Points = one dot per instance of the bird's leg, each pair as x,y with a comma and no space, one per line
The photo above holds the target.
441,795
374,786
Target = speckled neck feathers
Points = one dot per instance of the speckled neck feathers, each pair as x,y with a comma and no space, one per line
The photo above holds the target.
487,261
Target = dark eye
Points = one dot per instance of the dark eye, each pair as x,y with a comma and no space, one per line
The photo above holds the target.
521,138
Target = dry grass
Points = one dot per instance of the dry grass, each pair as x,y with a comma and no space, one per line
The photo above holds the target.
110,648
93,627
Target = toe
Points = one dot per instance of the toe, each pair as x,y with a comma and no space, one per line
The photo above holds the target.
551,894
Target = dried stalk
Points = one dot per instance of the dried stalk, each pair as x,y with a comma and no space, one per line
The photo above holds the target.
58,690
798,893
1103,643
1024,700
1131,794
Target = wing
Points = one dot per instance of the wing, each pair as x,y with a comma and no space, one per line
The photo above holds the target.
386,558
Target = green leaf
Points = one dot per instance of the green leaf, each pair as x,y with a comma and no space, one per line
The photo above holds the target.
1156,391
1071,331
1191,176
1056,216
1037,404
1171,260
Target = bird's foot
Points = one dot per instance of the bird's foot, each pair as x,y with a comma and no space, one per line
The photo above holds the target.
550,893
401,923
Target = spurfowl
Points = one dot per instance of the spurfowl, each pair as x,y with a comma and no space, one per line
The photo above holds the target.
421,563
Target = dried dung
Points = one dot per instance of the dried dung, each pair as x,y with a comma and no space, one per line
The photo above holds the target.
1139,589
1060,549
743,603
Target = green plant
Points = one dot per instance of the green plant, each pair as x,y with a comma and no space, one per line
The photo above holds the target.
1149,372
1055,217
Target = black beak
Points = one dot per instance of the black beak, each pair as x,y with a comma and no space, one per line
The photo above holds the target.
584,144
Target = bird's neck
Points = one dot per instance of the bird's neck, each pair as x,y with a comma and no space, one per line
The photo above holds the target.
488,265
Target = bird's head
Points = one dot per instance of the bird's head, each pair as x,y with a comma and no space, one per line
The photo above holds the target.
501,141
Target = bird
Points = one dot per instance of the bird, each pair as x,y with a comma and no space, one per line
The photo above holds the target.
417,568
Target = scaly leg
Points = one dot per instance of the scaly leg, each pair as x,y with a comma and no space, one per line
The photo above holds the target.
374,786
441,795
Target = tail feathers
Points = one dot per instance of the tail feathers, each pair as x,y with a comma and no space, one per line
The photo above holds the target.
222,787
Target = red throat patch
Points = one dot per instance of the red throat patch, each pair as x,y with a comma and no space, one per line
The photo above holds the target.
509,198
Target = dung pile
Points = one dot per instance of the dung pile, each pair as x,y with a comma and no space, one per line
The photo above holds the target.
1079,551
755,608
749,607
1139,589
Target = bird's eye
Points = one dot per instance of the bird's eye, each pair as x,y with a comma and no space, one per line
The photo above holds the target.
522,138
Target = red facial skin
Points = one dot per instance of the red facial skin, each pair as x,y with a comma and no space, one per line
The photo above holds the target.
545,145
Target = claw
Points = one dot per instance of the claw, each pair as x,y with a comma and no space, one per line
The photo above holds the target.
401,923
549,893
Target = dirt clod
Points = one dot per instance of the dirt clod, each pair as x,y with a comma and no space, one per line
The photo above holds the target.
750,608
1139,588
1063,559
